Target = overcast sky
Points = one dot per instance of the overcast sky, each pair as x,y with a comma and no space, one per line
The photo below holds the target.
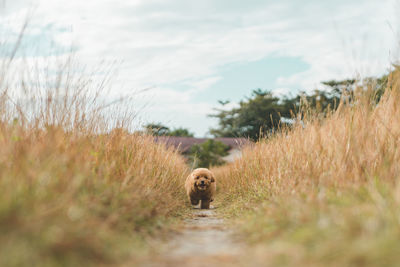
193,53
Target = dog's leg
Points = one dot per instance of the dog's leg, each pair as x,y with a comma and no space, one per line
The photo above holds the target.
205,203
194,201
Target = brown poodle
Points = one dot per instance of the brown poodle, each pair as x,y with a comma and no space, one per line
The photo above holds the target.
201,185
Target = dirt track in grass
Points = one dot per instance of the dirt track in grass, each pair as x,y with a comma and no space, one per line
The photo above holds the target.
204,240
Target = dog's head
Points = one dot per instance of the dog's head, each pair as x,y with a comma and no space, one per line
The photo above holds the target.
202,179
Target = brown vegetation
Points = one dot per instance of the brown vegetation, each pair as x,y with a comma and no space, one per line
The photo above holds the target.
326,192
72,190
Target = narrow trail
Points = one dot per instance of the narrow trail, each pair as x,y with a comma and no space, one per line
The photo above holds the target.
205,240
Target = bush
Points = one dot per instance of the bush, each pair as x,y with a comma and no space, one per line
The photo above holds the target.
208,154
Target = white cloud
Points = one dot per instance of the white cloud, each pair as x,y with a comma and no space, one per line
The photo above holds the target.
281,92
186,41
176,109
199,85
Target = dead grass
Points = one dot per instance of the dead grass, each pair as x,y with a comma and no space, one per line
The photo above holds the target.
326,194
75,188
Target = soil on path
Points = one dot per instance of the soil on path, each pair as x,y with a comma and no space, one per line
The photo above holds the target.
205,240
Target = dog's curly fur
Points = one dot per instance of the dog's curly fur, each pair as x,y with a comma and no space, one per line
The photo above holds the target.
201,185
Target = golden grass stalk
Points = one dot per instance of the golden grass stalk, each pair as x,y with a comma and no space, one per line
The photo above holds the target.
328,192
76,188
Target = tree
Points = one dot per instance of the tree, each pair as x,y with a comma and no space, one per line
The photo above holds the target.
158,129
255,117
181,132
208,154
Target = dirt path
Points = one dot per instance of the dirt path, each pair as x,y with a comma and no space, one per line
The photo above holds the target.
205,240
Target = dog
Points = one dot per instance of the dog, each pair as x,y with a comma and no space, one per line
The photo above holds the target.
201,185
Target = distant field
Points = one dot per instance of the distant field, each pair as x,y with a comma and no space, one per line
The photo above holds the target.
326,193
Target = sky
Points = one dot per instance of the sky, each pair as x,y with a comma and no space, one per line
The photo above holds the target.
190,53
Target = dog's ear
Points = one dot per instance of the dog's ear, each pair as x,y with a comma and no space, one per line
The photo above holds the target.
212,179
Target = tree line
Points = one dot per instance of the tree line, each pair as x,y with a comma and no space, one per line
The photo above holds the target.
263,113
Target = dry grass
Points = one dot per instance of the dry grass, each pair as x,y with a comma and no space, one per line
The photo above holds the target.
327,193
72,191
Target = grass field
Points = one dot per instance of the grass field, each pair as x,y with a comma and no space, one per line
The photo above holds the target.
78,189
326,193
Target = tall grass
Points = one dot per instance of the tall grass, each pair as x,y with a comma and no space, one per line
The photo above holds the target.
326,193
76,188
